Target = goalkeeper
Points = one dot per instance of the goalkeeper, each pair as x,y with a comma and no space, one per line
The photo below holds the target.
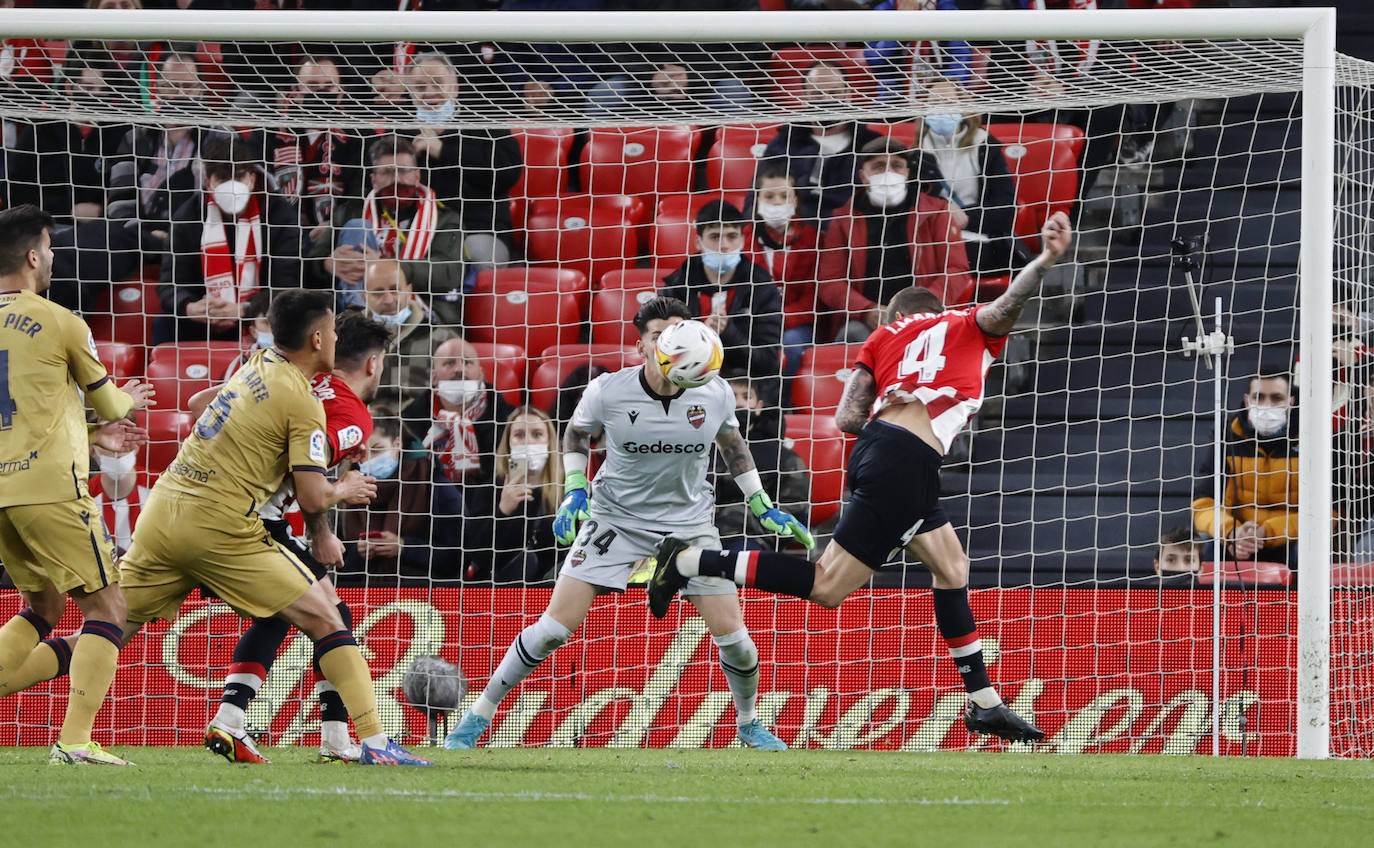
652,484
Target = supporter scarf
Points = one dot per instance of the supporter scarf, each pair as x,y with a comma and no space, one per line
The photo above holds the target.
169,161
235,276
411,245
305,166
453,437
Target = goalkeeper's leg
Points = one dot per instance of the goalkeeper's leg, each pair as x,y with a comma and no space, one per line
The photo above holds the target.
739,660
566,611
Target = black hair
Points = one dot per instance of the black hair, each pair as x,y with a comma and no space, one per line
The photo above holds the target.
772,169
884,145
21,230
913,300
256,306
292,314
385,422
1274,371
388,145
359,338
719,213
661,308
225,156
1179,534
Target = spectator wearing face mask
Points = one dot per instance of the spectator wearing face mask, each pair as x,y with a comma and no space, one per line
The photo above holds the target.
456,418
780,468
120,490
391,301
508,525
1259,518
890,236
225,245
731,295
785,245
314,167
822,157
471,171
965,166
410,534
400,218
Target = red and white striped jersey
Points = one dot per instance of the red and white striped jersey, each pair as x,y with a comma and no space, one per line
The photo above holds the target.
121,515
939,359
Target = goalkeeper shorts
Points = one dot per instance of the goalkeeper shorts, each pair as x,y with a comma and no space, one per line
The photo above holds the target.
894,480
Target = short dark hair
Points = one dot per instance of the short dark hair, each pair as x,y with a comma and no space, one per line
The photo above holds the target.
293,312
359,338
884,145
386,422
773,169
1274,371
661,308
225,156
1179,534
719,213
387,145
21,230
256,306
913,300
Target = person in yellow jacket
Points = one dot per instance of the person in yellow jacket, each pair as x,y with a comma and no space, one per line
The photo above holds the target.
1259,518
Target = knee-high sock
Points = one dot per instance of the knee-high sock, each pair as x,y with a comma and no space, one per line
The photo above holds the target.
739,659
49,660
954,618
529,649
331,704
18,637
772,572
253,657
343,665
92,669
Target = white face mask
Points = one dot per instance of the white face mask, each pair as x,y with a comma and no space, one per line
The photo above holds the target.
886,189
232,196
535,457
777,215
834,143
459,392
265,340
392,320
1268,420
435,114
118,466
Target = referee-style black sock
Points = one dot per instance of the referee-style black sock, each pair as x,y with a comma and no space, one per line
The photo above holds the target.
783,574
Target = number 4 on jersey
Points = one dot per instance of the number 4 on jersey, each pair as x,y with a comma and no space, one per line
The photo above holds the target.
924,357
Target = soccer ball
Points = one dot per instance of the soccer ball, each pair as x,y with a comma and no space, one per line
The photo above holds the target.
689,354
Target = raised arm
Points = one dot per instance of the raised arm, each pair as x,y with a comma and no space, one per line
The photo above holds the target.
999,317
859,393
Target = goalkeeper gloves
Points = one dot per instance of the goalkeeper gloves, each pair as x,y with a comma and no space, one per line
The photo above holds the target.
777,521
573,509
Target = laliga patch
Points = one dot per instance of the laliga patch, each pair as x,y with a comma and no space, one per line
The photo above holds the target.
319,449
350,436
696,415
90,343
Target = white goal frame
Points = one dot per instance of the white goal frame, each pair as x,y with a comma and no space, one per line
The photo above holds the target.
1316,27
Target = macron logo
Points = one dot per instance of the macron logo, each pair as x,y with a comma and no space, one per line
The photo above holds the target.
634,415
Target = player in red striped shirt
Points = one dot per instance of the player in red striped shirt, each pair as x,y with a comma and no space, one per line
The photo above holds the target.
917,381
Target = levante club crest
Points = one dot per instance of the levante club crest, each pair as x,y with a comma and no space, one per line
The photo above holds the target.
696,415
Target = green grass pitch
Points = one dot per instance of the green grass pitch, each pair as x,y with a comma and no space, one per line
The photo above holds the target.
659,798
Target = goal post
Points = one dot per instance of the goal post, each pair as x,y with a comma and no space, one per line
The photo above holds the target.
1203,54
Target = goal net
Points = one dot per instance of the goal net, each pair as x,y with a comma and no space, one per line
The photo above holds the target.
504,198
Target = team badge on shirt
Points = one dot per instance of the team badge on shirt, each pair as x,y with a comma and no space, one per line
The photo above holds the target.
319,448
578,557
696,415
350,436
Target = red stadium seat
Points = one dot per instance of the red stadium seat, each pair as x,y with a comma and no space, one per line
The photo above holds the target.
516,315
167,428
1346,574
556,363
639,160
789,67
613,312
735,155
633,208
180,369
582,234
1043,159
503,365
1249,572
674,237
126,313
565,280
820,381
545,154
905,131
635,278
824,457
123,361
983,290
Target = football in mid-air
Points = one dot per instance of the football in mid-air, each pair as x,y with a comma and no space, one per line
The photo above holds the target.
689,354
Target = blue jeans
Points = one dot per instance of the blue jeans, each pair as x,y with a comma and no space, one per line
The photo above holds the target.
794,343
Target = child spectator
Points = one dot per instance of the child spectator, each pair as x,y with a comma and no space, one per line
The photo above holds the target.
1177,552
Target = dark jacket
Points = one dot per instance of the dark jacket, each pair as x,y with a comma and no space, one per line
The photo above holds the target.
753,332
994,215
511,548
473,175
315,176
58,164
137,156
421,508
796,147
183,278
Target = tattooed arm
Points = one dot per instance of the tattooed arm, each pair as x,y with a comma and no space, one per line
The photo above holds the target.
577,441
999,317
735,451
859,393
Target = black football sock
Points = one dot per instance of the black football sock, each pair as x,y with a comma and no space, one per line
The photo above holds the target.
253,657
954,618
783,574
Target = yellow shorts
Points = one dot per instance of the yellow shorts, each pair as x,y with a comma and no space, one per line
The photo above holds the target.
182,543
59,544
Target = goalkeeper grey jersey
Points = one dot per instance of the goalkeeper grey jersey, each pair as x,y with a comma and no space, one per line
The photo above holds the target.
658,448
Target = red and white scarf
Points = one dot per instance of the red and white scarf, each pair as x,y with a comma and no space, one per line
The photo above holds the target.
453,437
408,246
233,277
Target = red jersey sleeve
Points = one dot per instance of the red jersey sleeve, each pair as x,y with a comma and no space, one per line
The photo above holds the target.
348,425
994,344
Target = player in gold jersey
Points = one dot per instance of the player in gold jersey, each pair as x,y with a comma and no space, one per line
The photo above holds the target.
201,524
52,538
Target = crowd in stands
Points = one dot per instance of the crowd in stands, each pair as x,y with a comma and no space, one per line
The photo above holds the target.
409,220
